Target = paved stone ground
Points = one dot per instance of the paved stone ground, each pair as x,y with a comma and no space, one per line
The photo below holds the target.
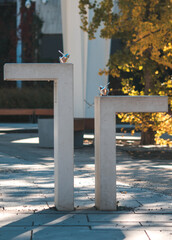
148,172
27,196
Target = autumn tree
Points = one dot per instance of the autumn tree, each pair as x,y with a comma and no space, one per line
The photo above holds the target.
144,62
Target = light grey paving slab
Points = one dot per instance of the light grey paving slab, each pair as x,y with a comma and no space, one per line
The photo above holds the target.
124,196
24,200
162,227
29,208
160,235
129,203
9,219
78,233
23,196
15,233
148,208
153,201
131,217
155,211
60,219
46,190
64,233
118,225
24,203
156,226
84,200
86,205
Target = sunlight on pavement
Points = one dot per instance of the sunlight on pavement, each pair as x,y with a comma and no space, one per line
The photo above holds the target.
164,166
11,183
34,140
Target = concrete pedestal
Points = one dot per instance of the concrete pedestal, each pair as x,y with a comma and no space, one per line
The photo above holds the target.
62,75
46,134
105,131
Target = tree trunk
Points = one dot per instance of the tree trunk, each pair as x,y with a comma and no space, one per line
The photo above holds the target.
148,136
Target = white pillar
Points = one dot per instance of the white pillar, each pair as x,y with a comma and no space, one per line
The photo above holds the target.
63,141
105,131
50,14
62,75
88,56
105,161
98,56
73,44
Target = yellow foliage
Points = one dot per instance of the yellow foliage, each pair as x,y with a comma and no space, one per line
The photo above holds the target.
167,47
145,59
160,123
132,132
105,72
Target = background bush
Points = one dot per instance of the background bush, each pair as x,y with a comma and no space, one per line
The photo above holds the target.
27,97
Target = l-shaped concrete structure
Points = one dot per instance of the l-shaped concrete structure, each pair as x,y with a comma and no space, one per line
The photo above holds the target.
105,136
62,75
105,111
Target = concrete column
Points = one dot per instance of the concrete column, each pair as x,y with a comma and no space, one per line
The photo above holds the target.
105,131
50,13
62,75
88,57
63,142
73,45
105,162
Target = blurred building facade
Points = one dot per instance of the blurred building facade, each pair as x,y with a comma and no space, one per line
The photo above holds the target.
61,31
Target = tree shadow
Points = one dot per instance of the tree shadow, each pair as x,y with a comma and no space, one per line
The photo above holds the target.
151,173
33,169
